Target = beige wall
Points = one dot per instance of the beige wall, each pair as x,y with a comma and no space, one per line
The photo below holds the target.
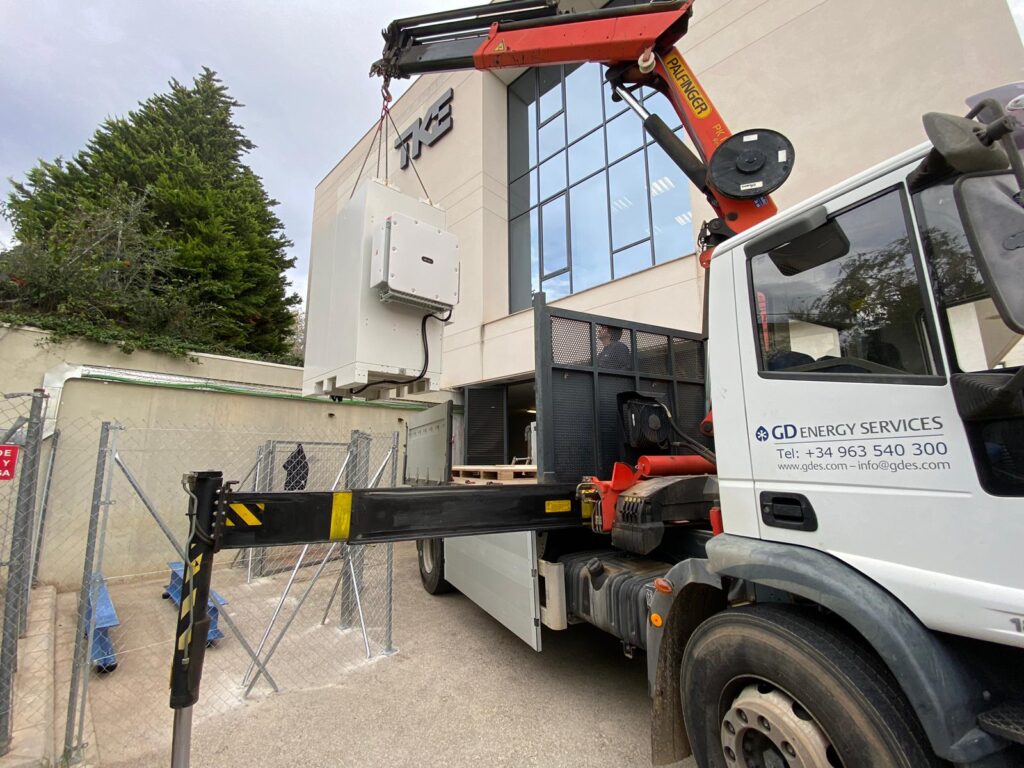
846,80
25,356
168,432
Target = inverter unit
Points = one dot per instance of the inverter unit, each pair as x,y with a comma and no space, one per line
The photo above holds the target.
382,264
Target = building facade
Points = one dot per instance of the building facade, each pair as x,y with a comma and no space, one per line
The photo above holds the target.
552,186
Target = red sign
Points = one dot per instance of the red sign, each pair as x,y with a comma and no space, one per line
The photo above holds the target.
8,461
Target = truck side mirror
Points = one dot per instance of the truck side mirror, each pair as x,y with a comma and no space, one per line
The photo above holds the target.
993,218
963,143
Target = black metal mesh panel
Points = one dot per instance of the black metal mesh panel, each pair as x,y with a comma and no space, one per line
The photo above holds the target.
485,425
652,353
688,358
614,347
573,420
690,408
591,360
609,440
570,342
662,390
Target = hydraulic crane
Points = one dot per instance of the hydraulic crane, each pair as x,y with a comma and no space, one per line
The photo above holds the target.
795,601
638,45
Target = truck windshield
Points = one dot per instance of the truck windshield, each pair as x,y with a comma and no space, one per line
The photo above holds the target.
980,339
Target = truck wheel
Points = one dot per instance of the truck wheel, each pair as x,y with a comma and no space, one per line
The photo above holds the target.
772,686
430,553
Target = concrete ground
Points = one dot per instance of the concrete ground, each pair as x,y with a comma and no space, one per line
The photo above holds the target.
461,691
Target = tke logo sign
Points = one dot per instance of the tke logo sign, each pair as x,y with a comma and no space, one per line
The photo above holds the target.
427,129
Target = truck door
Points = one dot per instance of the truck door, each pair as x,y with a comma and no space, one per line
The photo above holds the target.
428,446
857,447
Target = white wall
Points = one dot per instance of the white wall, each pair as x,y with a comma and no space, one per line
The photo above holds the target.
846,80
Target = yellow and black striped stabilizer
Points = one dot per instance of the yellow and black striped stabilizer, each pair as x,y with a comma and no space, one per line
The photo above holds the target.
193,619
373,515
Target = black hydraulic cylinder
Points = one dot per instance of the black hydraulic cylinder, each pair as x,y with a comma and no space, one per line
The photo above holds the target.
193,619
677,151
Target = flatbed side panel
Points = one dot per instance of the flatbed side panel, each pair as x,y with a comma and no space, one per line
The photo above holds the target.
366,516
578,380
498,572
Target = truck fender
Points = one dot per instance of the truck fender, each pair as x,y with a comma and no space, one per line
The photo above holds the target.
936,683
696,595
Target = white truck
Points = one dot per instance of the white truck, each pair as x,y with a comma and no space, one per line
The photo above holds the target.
862,602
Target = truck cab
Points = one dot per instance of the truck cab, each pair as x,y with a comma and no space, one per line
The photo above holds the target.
848,337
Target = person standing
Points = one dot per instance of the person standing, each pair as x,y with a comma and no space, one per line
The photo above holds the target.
614,354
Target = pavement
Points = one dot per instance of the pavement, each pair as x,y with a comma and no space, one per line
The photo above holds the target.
33,713
461,691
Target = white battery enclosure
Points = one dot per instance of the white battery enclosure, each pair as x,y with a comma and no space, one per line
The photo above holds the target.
353,336
415,263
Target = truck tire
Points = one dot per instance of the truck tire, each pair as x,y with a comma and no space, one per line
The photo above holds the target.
775,685
430,554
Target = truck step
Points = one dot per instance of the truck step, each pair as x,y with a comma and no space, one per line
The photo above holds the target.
1006,720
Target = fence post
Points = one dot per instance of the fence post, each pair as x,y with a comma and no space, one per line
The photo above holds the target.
19,566
21,539
97,573
357,475
389,576
81,650
44,503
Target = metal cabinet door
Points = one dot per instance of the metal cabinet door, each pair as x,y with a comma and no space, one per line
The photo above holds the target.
428,446
498,572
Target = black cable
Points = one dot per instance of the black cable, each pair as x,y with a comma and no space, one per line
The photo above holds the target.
426,357
692,442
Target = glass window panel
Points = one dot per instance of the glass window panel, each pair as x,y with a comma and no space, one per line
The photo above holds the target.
625,134
552,219
628,189
588,209
524,260
611,108
556,287
550,83
633,259
522,194
583,99
670,208
552,137
660,105
844,298
522,125
586,156
552,176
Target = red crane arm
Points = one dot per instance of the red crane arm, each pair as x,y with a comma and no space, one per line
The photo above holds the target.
637,44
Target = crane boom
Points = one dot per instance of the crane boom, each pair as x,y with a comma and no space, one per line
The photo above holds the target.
638,45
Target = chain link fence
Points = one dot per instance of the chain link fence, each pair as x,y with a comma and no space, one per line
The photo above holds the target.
21,437
106,528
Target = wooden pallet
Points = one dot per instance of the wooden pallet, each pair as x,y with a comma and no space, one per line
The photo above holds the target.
494,473
478,481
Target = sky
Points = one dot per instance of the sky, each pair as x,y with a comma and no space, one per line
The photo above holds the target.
300,67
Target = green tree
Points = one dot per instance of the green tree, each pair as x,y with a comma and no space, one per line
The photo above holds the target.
172,171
